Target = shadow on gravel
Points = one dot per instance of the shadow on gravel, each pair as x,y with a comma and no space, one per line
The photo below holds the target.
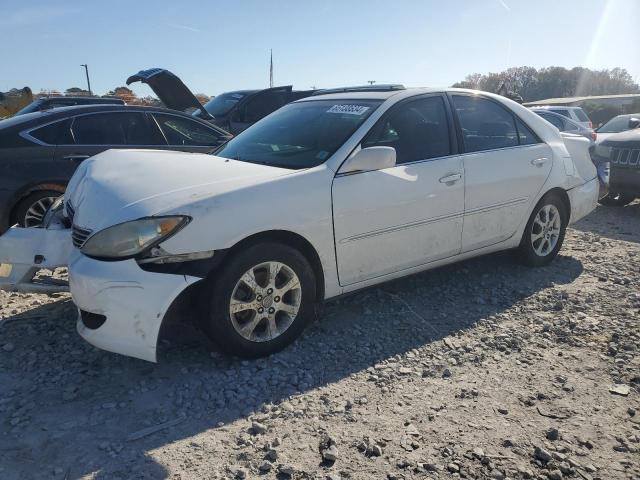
615,223
69,408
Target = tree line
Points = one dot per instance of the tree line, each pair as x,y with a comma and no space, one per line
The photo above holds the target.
552,82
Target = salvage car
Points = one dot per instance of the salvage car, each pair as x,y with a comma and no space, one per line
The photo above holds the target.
234,111
40,151
328,195
622,153
48,103
565,124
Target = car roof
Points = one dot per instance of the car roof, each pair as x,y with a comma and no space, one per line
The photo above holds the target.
557,107
368,95
45,116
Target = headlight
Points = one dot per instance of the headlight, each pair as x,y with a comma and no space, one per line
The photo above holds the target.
132,238
603,151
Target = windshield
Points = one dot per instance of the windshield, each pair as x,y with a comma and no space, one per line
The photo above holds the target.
222,104
617,124
300,135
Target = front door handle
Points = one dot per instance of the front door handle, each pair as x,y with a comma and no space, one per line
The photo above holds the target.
538,162
76,158
454,177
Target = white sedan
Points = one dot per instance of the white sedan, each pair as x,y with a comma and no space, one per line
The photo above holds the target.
327,195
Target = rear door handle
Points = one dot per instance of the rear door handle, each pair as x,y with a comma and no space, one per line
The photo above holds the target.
76,158
451,178
538,162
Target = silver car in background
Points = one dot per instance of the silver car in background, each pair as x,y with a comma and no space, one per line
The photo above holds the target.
565,124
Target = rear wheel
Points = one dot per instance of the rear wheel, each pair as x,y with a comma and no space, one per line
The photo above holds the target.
262,300
616,200
31,210
544,233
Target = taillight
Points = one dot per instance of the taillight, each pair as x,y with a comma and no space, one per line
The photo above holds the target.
594,135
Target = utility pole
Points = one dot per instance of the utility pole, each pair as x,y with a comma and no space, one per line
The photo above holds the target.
86,71
271,70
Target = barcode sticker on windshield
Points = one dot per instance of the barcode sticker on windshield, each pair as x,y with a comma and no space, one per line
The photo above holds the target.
348,109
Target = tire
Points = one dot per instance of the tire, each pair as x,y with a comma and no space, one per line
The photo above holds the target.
261,325
541,241
616,200
30,211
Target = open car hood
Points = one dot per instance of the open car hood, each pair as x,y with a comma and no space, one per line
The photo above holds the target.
170,90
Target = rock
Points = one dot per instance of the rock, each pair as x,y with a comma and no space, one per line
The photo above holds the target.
542,455
286,470
555,475
376,451
330,453
258,428
453,467
265,466
239,473
502,410
271,455
619,389
553,434
631,412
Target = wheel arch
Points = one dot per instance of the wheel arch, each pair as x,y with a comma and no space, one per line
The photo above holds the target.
55,186
291,239
562,194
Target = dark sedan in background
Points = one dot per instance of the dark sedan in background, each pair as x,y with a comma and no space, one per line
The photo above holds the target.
40,151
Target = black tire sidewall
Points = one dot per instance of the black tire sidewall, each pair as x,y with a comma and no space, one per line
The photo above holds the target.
21,209
217,322
527,253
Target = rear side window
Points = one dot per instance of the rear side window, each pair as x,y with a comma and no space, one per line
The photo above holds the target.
112,129
553,120
57,133
564,113
525,135
183,131
485,125
418,130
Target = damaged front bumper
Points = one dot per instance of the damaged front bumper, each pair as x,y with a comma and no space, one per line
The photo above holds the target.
26,251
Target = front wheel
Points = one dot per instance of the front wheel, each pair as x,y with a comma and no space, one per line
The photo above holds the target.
262,300
544,233
616,200
31,210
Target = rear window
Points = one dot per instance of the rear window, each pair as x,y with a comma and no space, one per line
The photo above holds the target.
581,115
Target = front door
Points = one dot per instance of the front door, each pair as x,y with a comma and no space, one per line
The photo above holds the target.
389,220
505,167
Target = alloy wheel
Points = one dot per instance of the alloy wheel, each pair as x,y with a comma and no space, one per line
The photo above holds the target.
265,301
36,212
545,230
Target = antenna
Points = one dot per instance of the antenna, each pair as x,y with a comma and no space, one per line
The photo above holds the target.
271,70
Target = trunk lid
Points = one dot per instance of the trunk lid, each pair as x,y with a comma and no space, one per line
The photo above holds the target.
170,90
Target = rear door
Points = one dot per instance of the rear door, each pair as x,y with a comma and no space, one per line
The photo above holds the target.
93,133
505,166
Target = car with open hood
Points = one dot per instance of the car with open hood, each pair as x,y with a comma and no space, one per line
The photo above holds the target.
327,195
233,111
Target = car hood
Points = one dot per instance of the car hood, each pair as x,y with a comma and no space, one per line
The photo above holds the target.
627,139
121,185
170,90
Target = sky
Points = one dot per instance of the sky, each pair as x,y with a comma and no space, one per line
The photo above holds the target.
216,46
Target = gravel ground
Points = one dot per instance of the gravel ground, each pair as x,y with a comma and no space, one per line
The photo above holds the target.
484,369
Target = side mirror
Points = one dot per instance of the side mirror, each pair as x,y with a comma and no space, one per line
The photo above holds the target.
634,123
369,159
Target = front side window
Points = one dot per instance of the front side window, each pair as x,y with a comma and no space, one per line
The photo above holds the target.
112,129
485,125
418,130
300,135
182,131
